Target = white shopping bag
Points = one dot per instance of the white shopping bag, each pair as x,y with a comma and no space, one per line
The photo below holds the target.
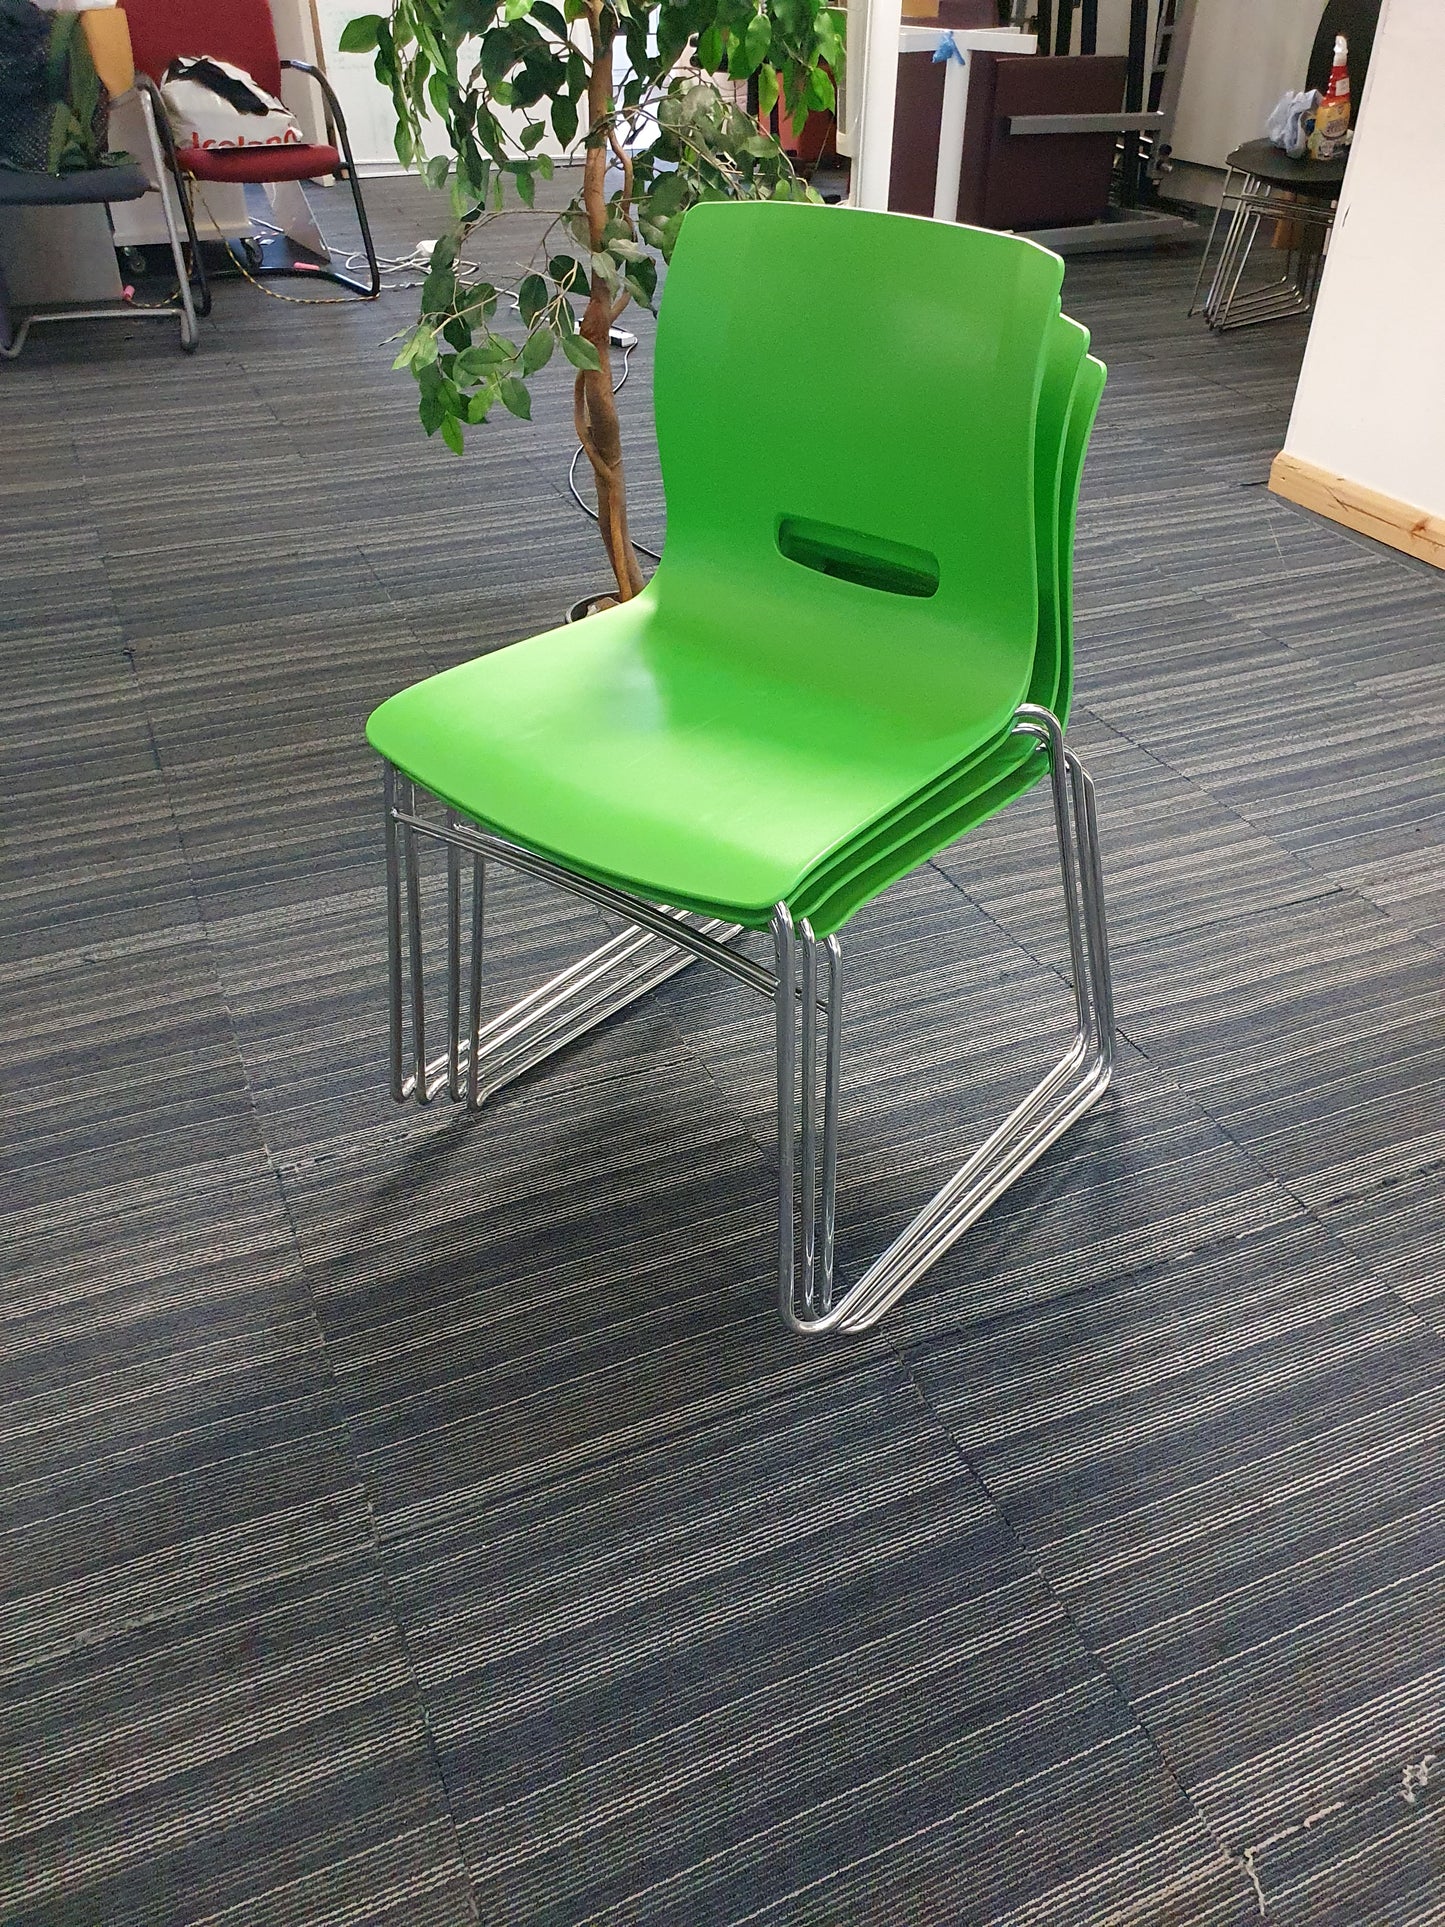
213,104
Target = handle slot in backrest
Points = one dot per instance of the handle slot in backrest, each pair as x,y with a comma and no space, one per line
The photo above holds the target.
868,560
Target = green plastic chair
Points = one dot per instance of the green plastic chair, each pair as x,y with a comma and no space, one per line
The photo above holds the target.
999,775
836,668
1068,397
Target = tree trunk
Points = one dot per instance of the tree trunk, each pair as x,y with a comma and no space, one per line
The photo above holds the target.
594,408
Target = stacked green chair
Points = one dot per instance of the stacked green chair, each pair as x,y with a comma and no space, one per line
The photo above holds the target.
856,648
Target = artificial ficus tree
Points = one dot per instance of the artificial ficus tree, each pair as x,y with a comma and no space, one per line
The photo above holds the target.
636,81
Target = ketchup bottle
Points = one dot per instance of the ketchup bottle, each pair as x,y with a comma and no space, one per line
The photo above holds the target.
1332,116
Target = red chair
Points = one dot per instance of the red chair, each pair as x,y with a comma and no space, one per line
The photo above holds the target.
242,32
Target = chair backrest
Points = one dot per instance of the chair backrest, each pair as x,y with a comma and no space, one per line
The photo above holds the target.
1068,344
845,416
1008,769
240,31
1088,393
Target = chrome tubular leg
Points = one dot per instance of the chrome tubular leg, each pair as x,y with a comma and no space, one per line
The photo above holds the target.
418,1080
575,1001
832,1079
1060,1098
454,965
1091,869
190,328
1208,245
1219,320
1232,232
474,980
658,942
784,950
808,1106
393,933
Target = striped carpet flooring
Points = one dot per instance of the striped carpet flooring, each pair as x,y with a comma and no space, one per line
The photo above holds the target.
419,1522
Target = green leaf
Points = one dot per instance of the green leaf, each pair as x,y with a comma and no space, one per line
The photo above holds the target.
526,187
642,280
452,434
531,134
477,362
580,352
605,270
566,272
710,49
361,35
514,396
564,120
419,348
437,169
757,39
480,405
822,95
537,350
432,410
531,297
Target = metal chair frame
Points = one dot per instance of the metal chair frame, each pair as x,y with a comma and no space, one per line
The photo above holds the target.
806,988
1250,203
276,262
162,146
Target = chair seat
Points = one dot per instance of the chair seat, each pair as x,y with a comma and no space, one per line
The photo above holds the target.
624,750
1265,162
302,162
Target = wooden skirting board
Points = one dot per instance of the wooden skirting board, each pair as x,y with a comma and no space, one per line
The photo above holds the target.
1404,527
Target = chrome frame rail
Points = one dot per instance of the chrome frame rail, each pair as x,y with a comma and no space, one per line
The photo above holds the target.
1249,205
480,1058
806,1289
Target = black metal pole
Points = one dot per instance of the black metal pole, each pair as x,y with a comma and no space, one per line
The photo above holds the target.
1089,27
1064,34
1044,24
1134,98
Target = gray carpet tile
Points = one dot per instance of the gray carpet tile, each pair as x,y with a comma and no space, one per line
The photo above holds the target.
1321,1065
208,1709
1391,1841
172,587
424,1521
1229,1466
1178,859
693,1613
1371,610
91,851
122,1063
1398,1228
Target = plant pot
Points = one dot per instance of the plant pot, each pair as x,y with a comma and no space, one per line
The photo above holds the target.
592,605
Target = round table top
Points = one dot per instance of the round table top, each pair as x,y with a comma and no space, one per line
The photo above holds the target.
1269,163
